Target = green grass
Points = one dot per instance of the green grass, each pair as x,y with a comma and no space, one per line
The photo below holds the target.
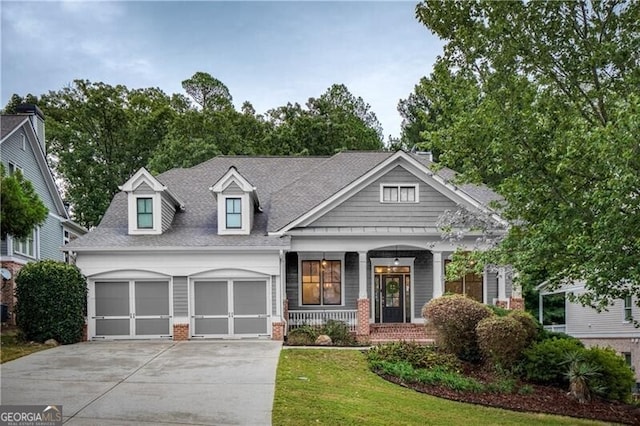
335,387
12,346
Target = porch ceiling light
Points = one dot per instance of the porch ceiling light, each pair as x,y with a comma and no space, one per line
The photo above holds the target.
396,261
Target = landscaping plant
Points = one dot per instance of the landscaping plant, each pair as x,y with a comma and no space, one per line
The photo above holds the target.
545,361
616,377
501,340
52,299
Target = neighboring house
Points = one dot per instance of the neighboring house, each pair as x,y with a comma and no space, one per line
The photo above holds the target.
613,327
22,147
254,246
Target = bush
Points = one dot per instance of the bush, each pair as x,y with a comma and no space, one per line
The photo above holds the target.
455,318
436,376
339,333
501,340
531,325
302,336
501,312
52,300
545,362
615,379
419,356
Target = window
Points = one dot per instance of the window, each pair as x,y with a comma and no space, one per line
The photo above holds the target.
321,282
628,316
145,213
13,168
399,193
470,285
26,246
234,213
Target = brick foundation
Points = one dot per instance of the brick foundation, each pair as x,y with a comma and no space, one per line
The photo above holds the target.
384,333
277,331
504,304
180,331
516,303
8,293
362,322
620,345
85,332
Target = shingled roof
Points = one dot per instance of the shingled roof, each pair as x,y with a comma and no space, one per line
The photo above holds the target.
8,124
288,187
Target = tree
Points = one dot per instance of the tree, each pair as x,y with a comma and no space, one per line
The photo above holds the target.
546,116
10,107
207,91
21,208
98,136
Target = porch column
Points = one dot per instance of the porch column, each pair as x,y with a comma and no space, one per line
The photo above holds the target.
502,284
364,307
438,281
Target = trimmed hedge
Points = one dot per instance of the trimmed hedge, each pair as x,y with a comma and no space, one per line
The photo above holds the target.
615,379
52,300
501,340
455,317
545,362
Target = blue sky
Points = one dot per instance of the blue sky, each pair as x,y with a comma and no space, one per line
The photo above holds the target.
268,53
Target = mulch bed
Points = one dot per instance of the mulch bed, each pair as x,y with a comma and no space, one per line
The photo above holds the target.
543,399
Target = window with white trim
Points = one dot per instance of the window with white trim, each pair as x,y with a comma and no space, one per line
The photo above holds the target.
398,193
13,168
145,213
321,282
233,213
628,316
26,246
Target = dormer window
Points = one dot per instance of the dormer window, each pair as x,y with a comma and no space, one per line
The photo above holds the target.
145,213
237,202
151,205
234,213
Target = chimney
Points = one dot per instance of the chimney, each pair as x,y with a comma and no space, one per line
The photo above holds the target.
37,121
427,154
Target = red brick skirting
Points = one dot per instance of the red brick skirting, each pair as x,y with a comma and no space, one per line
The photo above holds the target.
516,304
8,293
180,331
277,331
362,324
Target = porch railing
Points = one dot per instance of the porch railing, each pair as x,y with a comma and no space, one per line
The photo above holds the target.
558,328
320,316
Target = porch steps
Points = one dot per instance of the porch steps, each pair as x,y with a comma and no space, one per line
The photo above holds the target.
387,333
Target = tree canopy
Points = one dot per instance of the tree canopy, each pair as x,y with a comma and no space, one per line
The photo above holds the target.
21,209
539,100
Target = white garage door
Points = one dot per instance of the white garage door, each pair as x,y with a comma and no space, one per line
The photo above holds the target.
130,309
230,308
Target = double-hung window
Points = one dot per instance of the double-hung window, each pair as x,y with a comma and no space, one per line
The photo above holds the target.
145,213
234,213
399,193
628,316
321,282
26,246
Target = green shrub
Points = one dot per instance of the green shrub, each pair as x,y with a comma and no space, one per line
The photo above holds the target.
52,300
419,356
501,340
302,336
339,333
434,376
501,312
545,362
531,325
547,335
615,379
455,318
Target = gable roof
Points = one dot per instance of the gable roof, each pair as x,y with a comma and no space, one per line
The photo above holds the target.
289,188
9,125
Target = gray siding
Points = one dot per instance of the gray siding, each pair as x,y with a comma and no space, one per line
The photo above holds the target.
180,297
351,285
233,189
51,231
168,211
273,296
365,208
585,320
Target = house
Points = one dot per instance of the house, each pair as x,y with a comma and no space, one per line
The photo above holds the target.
22,147
254,246
613,327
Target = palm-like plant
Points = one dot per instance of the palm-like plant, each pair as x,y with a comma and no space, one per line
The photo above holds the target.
580,373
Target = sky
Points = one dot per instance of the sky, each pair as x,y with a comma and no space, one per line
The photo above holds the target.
268,53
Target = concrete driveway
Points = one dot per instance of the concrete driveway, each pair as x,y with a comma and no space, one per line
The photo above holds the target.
149,382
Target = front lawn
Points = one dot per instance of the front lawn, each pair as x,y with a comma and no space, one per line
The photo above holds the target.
325,386
12,346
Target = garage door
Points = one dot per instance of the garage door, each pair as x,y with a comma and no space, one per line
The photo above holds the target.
230,308
131,309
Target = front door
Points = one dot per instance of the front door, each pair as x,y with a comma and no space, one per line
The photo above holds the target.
392,298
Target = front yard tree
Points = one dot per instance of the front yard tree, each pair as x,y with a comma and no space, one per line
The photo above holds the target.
539,100
21,208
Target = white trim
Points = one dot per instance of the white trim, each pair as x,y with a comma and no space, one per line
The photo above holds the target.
438,273
388,261
177,249
245,215
23,141
399,186
318,256
15,129
133,214
232,176
35,234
